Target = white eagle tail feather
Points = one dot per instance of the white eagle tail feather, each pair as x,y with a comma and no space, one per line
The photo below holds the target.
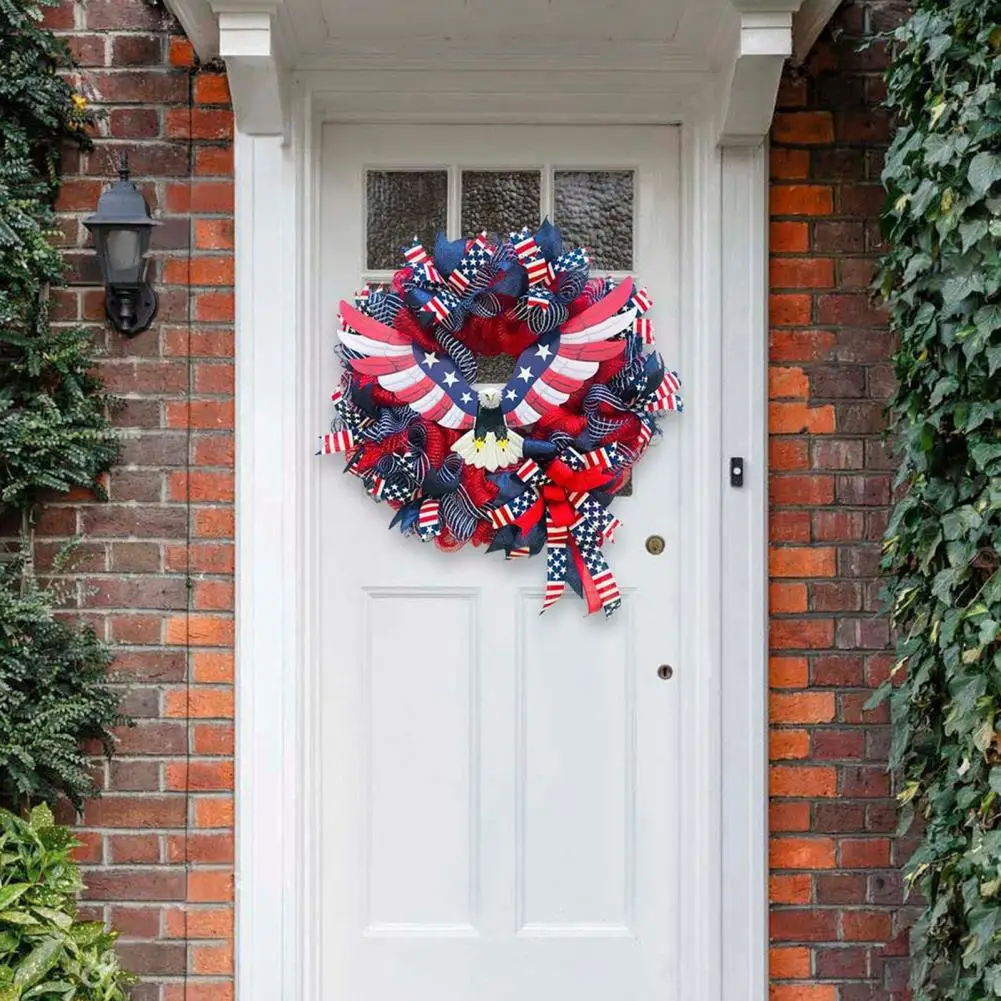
492,453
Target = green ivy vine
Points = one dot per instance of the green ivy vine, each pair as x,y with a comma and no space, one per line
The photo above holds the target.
942,278
54,431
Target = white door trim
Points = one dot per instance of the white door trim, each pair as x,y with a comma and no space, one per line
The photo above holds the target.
724,559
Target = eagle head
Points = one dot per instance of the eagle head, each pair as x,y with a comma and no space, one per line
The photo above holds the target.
490,397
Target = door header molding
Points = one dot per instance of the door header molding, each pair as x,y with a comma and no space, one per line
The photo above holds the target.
722,64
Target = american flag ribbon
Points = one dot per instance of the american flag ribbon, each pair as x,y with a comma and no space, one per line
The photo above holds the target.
601,578
528,470
580,541
541,301
642,300
375,485
441,305
557,537
525,246
337,441
429,519
572,260
540,271
426,272
510,512
644,327
416,254
665,397
520,553
458,281
470,271
596,513
646,433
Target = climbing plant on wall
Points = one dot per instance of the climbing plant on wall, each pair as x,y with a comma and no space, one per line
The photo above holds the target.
54,435
942,276
54,431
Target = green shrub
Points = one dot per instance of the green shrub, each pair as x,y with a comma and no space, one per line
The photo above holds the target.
942,274
54,428
55,433
46,952
54,694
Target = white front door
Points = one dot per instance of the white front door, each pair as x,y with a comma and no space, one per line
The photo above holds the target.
501,792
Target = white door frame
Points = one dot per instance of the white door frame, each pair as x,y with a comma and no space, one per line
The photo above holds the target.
724,365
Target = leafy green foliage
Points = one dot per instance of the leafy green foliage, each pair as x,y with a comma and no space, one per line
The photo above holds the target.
54,694
46,952
942,276
54,432
54,429
54,435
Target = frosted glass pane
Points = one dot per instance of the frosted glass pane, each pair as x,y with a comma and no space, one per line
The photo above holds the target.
401,204
494,368
123,249
594,209
499,201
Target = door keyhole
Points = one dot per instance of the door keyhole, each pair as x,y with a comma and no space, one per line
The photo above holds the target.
665,672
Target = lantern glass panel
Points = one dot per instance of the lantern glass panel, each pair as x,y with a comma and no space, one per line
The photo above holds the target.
124,252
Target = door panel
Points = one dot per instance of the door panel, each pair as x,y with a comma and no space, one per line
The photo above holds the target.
500,808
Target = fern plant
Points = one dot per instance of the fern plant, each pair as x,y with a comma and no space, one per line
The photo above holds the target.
55,433
54,693
54,427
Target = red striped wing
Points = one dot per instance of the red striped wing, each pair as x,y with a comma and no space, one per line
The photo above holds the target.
432,385
581,345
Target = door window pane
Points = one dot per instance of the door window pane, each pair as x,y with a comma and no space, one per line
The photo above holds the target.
402,204
499,201
594,209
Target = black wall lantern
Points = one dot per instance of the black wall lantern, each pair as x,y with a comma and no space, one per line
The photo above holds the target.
122,228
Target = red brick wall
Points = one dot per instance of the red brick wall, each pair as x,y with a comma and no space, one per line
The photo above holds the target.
837,929
158,846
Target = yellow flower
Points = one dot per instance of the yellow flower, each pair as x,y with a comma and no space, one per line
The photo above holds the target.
79,102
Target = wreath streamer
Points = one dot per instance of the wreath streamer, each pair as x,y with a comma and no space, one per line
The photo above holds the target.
520,467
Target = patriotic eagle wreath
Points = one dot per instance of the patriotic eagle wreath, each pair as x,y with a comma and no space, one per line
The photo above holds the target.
441,449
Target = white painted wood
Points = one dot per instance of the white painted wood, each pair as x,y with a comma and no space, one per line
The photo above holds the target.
764,42
594,95
809,22
199,23
249,42
628,61
744,583
501,807
272,570
282,345
701,458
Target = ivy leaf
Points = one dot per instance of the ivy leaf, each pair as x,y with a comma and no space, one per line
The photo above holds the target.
985,169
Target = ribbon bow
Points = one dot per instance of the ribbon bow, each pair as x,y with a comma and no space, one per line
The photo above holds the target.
555,278
474,272
577,523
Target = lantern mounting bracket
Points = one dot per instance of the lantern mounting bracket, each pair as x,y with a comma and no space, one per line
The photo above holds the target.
130,311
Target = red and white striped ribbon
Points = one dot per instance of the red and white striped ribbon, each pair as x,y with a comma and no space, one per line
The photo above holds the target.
339,441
